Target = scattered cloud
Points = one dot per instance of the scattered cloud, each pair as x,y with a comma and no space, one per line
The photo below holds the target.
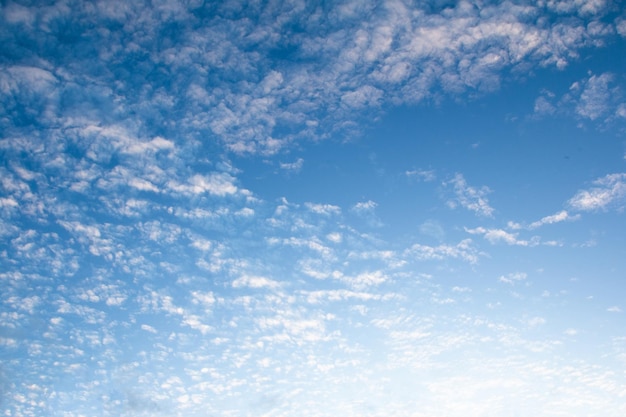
364,206
594,98
219,184
513,278
422,175
469,197
292,166
367,211
561,216
495,236
608,191
136,265
365,280
464,250
334,237
325,209
254,282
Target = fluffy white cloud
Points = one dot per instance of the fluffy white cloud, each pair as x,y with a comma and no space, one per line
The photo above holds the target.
607,191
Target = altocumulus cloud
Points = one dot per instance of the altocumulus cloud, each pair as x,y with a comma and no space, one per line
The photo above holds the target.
227,71
142,273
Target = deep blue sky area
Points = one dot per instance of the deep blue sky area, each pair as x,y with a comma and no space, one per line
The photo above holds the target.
289,208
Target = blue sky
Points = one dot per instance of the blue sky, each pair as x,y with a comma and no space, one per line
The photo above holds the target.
289,208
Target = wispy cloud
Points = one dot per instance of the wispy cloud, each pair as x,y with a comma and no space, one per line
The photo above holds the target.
367,211
513,278
607,191
495,236
561,216
463,250
422,175
469,197
594,98
292,166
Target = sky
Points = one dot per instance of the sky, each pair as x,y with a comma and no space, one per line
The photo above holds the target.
313,208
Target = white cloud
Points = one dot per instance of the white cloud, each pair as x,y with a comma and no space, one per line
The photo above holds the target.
8,202
313,244
143,185
148,328
334,237
116,228
595,96
364,206
582,7
245,212
498,235
219,184
315,297
423,175
325,209
292,166
364,96
464,250
255,282
543,106
365,280
513,278
470,198
367,211
561,216
396,54
206,299
608,191
20,79
156,144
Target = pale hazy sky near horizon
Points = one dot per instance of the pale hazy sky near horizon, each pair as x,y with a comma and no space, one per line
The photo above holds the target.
313,208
